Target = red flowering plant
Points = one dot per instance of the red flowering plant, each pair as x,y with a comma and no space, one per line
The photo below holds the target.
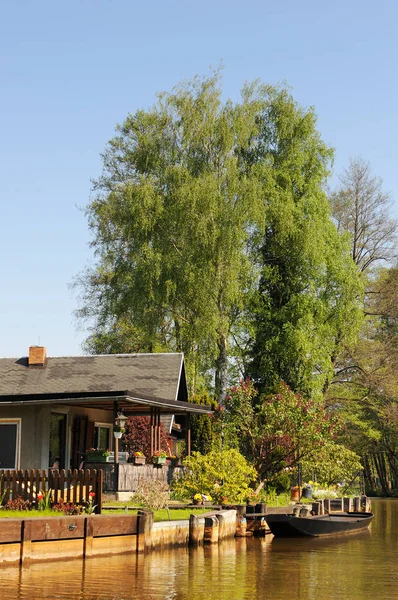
275,431
137,436
89,506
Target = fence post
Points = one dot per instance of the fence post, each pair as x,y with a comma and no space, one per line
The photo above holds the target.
98,491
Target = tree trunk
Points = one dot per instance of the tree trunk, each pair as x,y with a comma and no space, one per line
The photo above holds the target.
221,369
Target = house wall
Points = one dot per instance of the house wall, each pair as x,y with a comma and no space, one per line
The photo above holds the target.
35,430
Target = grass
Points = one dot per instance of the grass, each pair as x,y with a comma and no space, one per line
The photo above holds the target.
21,514
159,515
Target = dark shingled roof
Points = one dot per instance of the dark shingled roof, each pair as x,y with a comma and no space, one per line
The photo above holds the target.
147,376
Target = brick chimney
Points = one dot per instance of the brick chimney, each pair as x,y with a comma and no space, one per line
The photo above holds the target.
37,356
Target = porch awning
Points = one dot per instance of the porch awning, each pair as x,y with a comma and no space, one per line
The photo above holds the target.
106,401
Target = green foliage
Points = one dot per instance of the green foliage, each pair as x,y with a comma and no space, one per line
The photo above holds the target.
332,464
281,483
277,432
202,426
308,304
217,474
199,201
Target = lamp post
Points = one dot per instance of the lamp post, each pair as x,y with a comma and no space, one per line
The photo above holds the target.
118,431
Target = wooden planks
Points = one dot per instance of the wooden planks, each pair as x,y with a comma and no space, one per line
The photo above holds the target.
26,540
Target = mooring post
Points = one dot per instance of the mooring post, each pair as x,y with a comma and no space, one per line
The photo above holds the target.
196,531
211,531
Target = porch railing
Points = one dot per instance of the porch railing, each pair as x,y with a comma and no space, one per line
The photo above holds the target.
67,485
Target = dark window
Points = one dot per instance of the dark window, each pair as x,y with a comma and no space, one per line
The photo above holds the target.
102,437
57,441
9,445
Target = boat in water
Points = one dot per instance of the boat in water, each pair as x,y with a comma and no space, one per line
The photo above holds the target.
285,525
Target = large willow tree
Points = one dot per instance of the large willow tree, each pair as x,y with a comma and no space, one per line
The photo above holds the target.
181,219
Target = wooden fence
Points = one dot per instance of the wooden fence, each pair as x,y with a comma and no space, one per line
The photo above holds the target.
70,486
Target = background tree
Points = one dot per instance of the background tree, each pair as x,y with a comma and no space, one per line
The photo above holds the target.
203,433
362,209
199,200
309,297
171,219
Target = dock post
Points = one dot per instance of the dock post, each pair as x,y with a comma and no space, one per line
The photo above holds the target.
348,505
196,531
211,531
316,508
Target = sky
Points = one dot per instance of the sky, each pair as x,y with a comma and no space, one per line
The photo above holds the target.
70,71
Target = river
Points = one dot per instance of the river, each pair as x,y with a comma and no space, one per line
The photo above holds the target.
357,566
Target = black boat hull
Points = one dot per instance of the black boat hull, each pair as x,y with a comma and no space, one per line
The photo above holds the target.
318,526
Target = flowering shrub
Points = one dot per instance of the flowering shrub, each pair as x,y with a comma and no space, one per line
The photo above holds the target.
18,504
68,508
160,454
217,474
202,497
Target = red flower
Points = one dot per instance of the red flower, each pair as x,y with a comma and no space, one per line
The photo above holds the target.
92,494
40,496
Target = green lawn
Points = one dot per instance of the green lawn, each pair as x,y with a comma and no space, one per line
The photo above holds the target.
159,515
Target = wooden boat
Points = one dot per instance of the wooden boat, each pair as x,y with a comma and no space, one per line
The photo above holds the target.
283,525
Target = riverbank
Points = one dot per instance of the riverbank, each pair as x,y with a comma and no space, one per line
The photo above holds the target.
83,536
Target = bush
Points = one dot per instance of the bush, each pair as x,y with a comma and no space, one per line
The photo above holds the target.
18,504
153,494
67,508
224,474
281,483
137,436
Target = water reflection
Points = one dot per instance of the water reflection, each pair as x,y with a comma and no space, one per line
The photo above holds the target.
362,565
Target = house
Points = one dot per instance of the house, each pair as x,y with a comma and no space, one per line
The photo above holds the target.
53,408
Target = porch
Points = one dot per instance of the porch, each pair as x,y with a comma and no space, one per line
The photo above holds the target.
126,477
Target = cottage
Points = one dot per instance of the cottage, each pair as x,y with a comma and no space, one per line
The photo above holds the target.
53,408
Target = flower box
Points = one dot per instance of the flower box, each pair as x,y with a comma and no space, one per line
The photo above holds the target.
139,460
159,460
99,457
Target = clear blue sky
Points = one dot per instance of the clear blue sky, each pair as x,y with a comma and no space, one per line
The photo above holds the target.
69,71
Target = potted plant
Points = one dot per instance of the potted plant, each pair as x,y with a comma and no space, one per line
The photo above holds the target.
138,458
118,432
159,457
197,499
97,455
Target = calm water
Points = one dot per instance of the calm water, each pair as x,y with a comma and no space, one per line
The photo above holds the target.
359,566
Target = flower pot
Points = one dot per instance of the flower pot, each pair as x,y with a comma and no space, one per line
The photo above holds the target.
159,460
197,502
295,494
139,460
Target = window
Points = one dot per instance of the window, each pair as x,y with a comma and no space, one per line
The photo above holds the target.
9,443
102,436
